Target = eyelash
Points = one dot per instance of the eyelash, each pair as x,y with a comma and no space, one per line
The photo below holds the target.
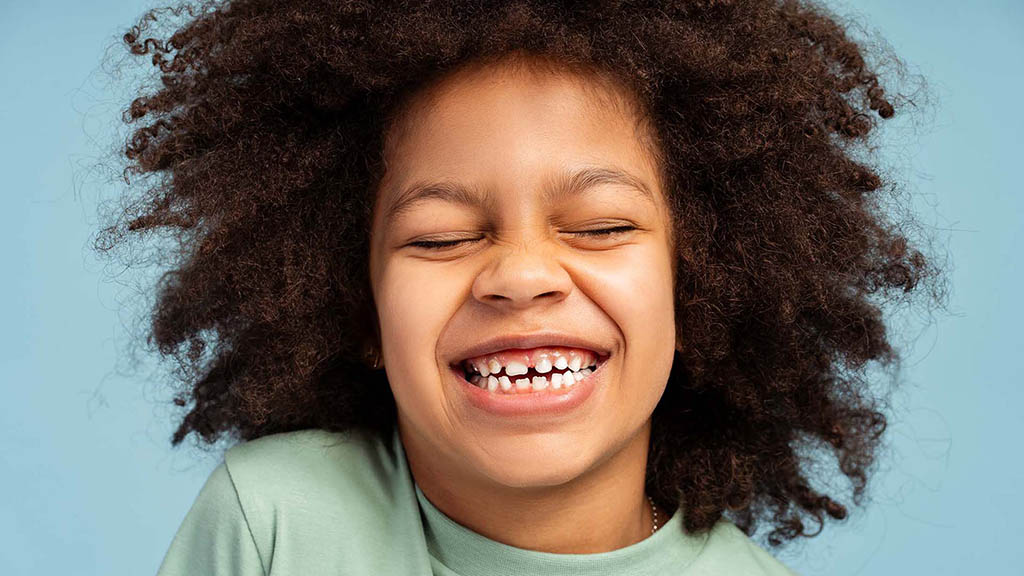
440,245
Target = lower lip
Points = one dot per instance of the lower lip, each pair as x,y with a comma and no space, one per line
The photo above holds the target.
542,402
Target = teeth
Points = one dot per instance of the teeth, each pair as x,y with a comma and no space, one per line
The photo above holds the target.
544,366
568,379
556,381
485,375
516,368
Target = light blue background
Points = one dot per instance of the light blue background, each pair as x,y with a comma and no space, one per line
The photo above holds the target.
90,485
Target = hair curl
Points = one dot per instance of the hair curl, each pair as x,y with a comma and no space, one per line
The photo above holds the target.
261,149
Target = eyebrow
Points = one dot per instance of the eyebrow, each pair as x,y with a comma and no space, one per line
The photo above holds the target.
564,185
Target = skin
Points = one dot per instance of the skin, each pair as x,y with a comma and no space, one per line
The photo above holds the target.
534,483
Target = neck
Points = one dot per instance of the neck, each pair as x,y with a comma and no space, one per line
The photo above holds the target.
602,510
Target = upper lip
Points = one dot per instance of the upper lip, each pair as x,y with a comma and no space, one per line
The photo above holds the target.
532,340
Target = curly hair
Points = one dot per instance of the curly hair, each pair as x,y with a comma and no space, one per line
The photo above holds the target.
261,151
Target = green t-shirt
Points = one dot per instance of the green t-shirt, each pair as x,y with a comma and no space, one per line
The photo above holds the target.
314,502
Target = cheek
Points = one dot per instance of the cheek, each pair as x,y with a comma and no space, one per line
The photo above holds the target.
635,290
643,306
414,302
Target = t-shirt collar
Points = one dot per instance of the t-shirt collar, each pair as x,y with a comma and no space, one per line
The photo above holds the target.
467,553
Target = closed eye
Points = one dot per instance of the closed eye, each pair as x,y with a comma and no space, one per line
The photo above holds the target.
442,244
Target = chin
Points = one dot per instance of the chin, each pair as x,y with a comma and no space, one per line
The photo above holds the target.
530,461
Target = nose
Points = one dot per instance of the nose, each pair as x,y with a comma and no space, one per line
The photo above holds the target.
523,275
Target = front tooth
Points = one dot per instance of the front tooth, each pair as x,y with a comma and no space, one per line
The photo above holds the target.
494,366
561,363
575,363
483,370
544,366
539,383
568,379
514,368
580,376
492,383
506,383
522,384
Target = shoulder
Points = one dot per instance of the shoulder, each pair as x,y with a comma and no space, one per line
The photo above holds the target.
729,551
308,457
304,502
214,537
303,489
348,469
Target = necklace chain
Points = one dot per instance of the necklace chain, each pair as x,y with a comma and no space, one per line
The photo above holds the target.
654,513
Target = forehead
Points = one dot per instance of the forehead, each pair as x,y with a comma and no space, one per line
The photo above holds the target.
493,125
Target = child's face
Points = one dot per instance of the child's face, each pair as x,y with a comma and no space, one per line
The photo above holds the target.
513,136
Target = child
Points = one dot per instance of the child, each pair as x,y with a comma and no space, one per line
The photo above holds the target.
515,287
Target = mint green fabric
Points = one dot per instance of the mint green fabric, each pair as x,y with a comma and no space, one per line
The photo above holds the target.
314,502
